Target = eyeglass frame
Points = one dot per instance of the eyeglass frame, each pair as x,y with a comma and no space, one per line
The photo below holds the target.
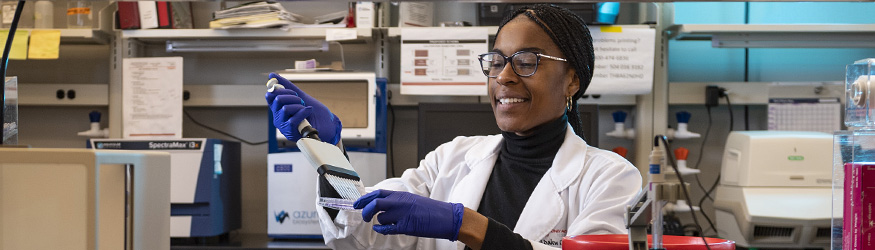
510,59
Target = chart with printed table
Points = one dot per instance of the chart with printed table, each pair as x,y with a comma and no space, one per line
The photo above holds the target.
807,114
443,61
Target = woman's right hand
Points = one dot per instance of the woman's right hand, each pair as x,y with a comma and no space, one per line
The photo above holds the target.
290,106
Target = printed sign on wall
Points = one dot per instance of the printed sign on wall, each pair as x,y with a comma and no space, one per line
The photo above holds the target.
443,61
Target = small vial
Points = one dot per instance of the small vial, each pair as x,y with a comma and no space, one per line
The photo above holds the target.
79,15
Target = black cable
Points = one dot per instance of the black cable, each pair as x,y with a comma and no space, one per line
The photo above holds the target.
699,181
746,50
711,189
219,131
683,187
717,180
704,138
746,66
391,141
4,64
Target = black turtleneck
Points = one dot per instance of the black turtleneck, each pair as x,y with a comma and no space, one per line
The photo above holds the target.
521,164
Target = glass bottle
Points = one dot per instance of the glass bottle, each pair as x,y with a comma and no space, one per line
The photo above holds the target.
79,15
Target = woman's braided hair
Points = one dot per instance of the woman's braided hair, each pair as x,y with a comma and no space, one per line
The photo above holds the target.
569,32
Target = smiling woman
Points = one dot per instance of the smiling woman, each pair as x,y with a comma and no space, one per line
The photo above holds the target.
567,37
525,188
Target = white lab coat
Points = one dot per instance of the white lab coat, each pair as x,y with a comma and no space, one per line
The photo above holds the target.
585,191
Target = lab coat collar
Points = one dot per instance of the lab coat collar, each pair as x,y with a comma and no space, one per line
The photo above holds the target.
562,173
547,199
479,160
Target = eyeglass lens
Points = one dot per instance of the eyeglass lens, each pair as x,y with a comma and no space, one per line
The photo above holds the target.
524,63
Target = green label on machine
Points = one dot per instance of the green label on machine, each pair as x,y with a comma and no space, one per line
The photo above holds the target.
796,158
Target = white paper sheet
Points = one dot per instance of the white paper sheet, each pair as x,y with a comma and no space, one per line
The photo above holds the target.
623,60
805,114
443,61
152,97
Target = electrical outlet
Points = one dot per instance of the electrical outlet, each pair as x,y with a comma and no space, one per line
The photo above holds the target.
712,96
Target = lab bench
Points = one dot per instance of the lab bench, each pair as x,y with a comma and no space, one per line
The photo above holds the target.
250,242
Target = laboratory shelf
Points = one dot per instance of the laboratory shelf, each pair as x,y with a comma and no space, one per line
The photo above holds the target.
753,93
396,31
362,34
79,36
778,35
84,36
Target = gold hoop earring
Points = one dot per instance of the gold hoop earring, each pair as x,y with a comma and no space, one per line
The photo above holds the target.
568,103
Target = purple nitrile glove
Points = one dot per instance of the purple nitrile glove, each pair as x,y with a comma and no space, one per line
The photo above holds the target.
410,214
291,105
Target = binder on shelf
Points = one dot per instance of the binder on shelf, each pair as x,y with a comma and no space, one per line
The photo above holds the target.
148,14
165,20
181,15
128,15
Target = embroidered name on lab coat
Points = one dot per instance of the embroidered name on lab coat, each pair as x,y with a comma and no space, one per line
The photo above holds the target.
554,238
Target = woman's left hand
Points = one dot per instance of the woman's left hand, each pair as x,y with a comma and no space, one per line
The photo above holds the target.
410,214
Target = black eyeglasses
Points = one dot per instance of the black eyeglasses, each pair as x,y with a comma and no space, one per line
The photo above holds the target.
523,63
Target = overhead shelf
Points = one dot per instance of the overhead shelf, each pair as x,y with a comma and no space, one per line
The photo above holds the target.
753,93
362,34
79,36
778,35
396,31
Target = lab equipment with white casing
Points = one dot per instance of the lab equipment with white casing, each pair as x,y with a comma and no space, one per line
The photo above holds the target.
775,189
292,181
84,199
204,182
350,96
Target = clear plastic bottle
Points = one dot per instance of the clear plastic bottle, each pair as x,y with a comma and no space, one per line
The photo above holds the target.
43,16
79,15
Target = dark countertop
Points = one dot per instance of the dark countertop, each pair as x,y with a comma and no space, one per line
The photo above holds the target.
247,242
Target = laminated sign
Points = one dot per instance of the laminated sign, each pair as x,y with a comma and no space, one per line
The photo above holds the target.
443,61
623,60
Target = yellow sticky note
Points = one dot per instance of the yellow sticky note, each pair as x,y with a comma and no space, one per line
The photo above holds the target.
617,29
19,44
44,44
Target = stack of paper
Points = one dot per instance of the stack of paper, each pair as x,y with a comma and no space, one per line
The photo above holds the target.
255,15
